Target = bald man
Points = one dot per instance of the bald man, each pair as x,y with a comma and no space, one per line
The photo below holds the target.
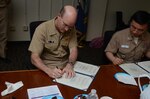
54,44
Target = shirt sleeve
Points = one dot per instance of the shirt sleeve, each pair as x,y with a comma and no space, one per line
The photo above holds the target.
37,43
113,44
73,40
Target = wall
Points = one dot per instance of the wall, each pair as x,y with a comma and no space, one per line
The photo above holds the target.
96,18
102,15
128,7
22,12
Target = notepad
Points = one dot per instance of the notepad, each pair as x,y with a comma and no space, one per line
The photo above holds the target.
133,69
85,74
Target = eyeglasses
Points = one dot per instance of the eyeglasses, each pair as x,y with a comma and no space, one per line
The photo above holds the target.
136,29
66,25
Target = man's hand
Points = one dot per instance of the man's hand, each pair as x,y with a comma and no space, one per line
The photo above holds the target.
69,71
117,61
54,73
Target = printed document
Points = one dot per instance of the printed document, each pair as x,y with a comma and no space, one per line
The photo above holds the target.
86,68
40,92
133,69
85,74
145,65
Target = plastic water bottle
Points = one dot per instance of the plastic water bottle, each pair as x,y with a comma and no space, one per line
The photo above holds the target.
92,94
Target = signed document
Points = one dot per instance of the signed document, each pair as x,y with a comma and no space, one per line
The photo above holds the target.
85,74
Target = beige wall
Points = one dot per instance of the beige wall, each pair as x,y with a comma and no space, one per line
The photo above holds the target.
102,15
22,12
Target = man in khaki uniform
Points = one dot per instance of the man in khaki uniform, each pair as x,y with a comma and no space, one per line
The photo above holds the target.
54,44
3,27
131,44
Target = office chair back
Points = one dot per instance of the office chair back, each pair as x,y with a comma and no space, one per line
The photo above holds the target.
33,25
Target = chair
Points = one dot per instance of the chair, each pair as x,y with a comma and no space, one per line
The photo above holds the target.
33,26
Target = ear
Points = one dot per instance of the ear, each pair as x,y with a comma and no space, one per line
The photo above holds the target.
59,15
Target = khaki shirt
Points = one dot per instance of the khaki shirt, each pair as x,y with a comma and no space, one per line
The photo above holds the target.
122,44
52,46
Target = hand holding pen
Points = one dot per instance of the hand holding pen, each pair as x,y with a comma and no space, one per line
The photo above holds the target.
54,73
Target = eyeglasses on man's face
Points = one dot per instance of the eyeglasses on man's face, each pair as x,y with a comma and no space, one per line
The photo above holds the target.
66,25
134,28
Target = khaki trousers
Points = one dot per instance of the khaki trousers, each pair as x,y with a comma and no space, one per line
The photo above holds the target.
3,31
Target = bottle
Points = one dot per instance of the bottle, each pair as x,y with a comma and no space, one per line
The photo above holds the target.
92,94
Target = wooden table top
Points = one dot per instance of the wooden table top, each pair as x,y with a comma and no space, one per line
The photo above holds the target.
104,83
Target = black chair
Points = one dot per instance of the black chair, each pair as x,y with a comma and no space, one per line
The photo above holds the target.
33,26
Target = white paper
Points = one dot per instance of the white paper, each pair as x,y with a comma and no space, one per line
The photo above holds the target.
145,65
84,76
11,87
40,92
133,69
86,68
80,81
125,78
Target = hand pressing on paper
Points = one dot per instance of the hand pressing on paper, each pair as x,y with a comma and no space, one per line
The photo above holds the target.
55,73
69,72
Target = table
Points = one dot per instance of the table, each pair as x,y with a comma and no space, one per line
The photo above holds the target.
104,83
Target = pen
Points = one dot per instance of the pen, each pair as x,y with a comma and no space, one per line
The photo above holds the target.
59,68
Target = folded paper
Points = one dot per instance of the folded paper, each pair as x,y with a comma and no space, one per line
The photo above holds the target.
11,87
125,78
